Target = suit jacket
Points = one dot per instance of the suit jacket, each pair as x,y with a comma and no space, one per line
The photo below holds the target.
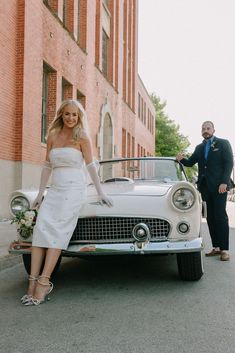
217,168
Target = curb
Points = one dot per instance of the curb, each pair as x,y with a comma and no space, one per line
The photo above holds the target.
8,261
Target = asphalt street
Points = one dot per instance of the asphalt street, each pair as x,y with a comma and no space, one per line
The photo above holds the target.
123,305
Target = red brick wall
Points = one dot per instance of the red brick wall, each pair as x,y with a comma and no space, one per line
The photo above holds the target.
9,135
32,82
35,36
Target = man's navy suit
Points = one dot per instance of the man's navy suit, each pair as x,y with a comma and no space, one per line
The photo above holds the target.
212,172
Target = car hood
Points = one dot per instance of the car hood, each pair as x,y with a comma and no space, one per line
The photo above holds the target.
134,189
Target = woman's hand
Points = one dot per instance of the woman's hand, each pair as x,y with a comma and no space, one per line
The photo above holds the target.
106,200
37,202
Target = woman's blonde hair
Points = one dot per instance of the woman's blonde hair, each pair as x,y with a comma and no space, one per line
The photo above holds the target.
82,125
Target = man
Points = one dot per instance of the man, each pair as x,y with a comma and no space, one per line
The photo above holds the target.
215,163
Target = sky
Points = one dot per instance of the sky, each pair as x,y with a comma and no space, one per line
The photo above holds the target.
187,58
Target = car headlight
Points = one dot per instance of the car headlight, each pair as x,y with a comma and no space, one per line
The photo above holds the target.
183,199
19,204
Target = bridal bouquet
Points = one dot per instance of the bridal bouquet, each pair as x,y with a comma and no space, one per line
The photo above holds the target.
25,222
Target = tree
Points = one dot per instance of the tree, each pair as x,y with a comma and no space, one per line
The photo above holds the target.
169,141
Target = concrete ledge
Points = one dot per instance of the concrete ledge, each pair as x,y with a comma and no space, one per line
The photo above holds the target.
8,261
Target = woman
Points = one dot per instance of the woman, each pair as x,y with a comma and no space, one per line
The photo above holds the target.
68,146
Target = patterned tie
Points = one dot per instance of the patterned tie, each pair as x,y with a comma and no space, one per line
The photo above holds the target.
207,148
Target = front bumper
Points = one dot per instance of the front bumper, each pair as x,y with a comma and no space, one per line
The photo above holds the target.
73,250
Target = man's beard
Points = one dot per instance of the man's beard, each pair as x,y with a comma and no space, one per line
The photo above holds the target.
206,136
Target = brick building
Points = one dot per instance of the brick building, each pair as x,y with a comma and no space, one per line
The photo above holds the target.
57,49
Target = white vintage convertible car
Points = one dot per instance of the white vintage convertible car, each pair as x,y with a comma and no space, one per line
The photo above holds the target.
156,211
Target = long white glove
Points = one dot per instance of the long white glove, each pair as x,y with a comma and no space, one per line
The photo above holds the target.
96,181
45,175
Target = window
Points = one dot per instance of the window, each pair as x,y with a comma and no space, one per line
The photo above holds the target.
105,40
44,105
52,4
123,143
148,119
64,12
78,19
81,98
66,90
142,109
144,113
128,145
49,82
133,147
138,105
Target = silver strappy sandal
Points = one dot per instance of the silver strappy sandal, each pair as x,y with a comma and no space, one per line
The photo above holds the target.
28,297
36,301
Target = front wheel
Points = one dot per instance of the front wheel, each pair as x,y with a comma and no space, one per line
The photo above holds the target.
190,266
27,264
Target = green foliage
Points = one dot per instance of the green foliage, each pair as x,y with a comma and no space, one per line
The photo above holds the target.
169,141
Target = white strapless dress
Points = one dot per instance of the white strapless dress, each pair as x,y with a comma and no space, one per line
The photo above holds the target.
60,209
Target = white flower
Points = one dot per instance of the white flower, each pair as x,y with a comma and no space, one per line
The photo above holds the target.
22,221
28,224
29,215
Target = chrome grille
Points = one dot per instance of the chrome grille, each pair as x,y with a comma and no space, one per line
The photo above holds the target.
117,229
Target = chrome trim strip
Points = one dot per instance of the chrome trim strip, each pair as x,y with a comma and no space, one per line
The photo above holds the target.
135,248
166,247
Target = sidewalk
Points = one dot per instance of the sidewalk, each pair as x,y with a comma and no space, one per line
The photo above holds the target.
8,234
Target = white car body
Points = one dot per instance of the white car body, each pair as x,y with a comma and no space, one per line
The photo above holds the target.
145,217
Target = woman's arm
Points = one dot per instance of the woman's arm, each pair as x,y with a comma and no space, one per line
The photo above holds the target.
45,175
90,164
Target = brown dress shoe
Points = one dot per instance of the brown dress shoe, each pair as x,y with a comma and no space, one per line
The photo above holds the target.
224,256
213,252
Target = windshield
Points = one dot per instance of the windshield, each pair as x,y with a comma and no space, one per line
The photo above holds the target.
162,170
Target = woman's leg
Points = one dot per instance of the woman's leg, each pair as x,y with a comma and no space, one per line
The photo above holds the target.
37,257
51,258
